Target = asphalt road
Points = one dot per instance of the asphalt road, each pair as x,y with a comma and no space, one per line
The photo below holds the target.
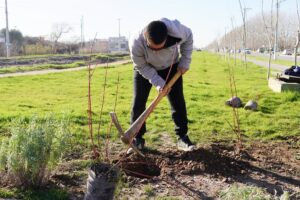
279,56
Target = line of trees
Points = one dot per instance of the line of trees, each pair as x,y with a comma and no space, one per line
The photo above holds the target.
256,37
26,45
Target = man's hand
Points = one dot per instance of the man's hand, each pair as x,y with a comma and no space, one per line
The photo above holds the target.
161,90
182,70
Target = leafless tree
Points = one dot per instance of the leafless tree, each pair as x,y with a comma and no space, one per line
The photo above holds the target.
268,33
58,31
298,34
243,12
234,39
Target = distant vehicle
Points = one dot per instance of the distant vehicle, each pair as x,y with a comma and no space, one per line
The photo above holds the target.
287,52
261,50
247,51
232,51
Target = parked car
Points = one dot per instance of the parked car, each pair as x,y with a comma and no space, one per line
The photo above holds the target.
247,51
287,52
261,50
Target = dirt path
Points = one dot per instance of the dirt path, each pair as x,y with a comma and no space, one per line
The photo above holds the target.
30,73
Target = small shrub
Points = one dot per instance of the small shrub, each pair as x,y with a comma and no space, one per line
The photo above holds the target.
149,190
34,149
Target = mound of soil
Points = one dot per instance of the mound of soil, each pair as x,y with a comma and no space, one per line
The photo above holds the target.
209,169
58,60
201,174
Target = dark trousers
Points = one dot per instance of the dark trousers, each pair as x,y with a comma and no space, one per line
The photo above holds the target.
141,90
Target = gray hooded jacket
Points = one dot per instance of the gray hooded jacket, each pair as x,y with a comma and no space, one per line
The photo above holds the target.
147,61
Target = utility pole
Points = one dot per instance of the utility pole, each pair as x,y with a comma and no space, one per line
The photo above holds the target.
82,33
119,20
276,28
7,31
119,42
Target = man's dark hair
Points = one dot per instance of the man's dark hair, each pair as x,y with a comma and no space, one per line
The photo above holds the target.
157,32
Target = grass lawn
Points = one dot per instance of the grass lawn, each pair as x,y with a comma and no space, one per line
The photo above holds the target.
15,69
206,88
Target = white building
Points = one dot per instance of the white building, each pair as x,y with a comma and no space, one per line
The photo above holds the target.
118,44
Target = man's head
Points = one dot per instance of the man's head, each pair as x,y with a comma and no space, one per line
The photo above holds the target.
156,35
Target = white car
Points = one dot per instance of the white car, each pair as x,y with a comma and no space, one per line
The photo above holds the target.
287,52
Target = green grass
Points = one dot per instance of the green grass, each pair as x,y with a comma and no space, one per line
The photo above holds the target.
244,193
206,88
45,194
15,69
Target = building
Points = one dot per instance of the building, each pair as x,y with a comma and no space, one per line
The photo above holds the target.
110,45
118,44
101,45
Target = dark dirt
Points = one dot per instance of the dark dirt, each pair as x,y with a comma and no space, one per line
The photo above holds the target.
201,174
57,60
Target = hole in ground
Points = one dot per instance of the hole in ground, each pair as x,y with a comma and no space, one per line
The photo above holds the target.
140,169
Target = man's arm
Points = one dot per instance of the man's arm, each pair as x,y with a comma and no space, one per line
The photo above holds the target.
186,49
138,57
186,45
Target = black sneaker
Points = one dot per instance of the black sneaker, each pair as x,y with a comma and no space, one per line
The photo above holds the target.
184,143
139,143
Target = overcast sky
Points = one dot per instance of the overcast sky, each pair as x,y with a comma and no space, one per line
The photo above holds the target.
207,18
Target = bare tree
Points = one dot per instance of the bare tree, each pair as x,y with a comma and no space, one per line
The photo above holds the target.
268,33
298,34
58,31
243,12
234,38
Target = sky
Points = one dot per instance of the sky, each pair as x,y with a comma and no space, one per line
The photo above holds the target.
208,19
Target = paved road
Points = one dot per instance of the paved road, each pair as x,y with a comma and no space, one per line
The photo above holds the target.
279,56
265,64
30,73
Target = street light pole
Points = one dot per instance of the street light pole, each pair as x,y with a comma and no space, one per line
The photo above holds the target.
7,32
119,20
276,28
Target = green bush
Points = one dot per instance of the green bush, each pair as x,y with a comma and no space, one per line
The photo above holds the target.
34,149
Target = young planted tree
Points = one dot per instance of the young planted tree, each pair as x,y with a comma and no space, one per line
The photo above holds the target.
236,119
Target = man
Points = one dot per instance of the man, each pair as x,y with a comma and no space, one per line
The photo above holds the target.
153,51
